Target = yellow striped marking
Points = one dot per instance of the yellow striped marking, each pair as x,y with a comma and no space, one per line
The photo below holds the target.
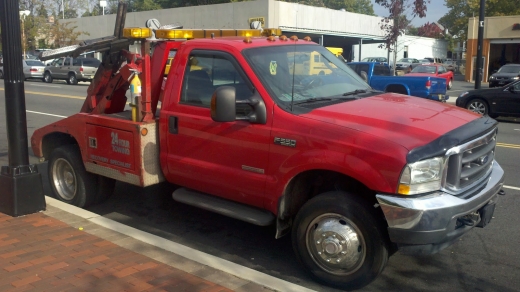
515,146
52,94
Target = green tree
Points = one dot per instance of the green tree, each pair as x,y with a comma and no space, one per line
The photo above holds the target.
456,20
356,6
401,13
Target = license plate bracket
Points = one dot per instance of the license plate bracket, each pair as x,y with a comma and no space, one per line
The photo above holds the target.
486,214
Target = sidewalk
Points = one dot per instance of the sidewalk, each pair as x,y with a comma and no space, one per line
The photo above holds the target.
60,250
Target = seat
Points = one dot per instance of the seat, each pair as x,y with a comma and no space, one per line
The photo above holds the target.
199,88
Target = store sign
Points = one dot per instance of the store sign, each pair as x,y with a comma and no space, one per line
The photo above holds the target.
516,26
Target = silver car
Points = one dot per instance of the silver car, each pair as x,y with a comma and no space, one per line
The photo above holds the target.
406,64
33,69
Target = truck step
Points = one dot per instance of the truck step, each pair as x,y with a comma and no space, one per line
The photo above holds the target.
224,207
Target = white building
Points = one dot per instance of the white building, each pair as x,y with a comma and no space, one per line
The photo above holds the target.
407,47
329,27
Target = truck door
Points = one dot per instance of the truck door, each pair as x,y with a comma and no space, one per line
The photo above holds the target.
224,159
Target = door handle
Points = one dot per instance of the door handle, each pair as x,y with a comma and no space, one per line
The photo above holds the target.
172,125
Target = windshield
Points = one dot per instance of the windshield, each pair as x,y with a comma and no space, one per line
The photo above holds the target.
300,73
405,60
34,63
425,69
510,69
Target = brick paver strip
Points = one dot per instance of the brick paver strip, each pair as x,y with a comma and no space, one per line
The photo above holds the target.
41,253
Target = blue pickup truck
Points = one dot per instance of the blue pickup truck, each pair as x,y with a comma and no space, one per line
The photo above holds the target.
379,77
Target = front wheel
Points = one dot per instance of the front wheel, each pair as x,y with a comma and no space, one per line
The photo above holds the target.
1,75
479,106
338,239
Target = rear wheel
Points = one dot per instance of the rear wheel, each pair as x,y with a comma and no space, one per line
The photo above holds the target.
479,106
69,180
1,75
338,239
450,84
47,77
72,79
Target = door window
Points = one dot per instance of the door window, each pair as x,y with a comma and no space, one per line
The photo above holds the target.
67,62
205,73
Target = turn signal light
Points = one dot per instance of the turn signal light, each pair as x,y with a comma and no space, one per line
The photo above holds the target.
428,84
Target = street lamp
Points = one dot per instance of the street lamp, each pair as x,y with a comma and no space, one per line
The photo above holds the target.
23,14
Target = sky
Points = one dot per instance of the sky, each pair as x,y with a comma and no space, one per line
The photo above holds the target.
436,10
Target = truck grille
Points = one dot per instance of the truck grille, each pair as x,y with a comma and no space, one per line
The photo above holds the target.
470,163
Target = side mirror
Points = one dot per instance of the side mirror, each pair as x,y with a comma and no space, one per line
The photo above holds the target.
223,106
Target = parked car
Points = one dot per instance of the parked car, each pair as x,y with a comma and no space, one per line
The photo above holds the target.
494,102
505,75
33,69
436,70
451,65
379,77
71,69
375,59
406,64
433,60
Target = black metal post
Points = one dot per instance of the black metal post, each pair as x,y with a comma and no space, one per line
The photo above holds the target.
21,190
480,43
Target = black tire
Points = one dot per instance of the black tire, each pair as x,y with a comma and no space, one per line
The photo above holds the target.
478,106
72,80
1,74
47,77
69,180
105,189
450,84
323,242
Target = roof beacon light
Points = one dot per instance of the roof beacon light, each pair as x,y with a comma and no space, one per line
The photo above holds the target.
204,33
137,33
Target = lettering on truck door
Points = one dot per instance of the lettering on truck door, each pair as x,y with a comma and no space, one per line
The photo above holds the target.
224,159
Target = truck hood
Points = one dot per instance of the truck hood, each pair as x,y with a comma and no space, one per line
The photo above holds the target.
405,120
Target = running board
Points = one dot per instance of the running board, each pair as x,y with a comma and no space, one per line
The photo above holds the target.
224,207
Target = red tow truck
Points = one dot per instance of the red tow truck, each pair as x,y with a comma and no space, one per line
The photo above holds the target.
352,173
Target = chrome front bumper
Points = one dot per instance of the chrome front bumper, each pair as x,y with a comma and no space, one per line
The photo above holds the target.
427,224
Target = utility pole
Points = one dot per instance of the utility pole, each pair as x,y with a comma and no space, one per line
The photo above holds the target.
480,42
21,190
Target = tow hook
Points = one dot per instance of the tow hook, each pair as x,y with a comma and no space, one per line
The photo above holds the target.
469,220
502,193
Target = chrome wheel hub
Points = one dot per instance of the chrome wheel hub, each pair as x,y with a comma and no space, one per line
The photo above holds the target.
336,244
477,107
64,179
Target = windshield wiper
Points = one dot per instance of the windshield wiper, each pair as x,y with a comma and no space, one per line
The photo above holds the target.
355,92
317,99
313,99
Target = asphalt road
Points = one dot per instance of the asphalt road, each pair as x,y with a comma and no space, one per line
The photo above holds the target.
484,260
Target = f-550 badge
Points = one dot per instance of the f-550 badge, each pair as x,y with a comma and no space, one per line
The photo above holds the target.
285,142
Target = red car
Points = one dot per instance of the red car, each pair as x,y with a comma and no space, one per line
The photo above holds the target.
437,70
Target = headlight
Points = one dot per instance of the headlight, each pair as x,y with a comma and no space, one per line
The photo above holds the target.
421,177
463,94
515,78
491,77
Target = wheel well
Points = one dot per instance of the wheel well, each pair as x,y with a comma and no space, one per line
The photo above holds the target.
54,140
311,183
396,88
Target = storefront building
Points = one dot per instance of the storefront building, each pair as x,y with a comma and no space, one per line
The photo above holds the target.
501,44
